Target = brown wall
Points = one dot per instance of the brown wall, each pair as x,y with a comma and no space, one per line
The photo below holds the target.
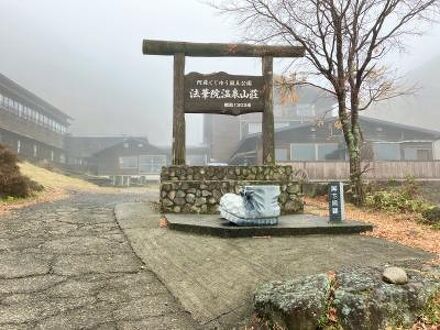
377,170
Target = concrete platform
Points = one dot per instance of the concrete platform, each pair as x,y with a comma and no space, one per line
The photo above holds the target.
288,225
214,278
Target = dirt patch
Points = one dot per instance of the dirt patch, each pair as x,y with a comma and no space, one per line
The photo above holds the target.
400,228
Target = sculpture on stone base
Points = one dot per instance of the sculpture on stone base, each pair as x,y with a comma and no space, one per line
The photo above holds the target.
254,206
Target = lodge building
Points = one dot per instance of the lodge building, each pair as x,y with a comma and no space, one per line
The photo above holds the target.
30,126
223,134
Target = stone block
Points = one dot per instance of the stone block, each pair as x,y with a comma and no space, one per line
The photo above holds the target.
180,194
201,187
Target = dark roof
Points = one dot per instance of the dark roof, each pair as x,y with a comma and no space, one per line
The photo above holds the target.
140,142
86,146
32,99
434,133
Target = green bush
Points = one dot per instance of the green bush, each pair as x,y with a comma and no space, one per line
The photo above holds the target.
404,198
432,215
12,182
396,201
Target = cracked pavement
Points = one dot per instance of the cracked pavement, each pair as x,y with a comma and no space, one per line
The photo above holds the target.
68,265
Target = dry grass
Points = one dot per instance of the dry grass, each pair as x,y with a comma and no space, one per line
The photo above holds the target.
402,228
56,187
50,179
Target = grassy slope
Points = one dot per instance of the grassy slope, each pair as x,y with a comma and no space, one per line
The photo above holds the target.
55,180
55,187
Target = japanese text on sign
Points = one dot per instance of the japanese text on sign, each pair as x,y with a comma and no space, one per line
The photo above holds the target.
223,93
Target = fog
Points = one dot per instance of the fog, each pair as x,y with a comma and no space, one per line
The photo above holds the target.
85,58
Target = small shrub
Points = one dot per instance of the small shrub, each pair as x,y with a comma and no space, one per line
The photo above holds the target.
12,182
432,215
396,201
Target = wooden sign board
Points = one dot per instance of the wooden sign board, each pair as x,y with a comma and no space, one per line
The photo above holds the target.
221,93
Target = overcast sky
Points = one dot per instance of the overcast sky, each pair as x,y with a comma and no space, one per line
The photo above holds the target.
85,57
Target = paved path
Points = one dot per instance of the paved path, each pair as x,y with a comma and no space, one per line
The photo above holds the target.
67,265
214,278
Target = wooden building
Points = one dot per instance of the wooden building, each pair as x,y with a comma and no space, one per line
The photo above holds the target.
223,134
323,141
125,160
30,126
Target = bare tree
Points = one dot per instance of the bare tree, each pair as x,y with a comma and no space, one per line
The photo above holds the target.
346,43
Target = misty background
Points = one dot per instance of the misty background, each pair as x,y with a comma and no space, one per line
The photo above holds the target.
85,57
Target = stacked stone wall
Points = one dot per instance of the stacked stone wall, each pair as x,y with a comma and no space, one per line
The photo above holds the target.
198,189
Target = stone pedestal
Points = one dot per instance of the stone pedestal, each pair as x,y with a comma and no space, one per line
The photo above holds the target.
198,189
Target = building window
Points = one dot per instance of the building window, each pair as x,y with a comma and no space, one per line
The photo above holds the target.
315,151
52,156
386,151
18,146
35,150
151,163
328,151
128,162
281,154
417,153
303,151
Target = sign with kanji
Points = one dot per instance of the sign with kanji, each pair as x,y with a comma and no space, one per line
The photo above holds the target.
336,201
223,93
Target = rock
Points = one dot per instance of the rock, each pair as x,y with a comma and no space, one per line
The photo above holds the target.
217,194
190,198
179,201
167,203
295,304
293,206
200,201
364,301
166,187
172,194
395,275
361,300
180,193
293,189
206,193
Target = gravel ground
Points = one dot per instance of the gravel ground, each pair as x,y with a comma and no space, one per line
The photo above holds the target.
68,265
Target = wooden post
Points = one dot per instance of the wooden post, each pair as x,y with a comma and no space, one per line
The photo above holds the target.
179,110
268,121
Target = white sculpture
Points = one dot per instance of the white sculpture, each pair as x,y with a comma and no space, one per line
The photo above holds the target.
255,206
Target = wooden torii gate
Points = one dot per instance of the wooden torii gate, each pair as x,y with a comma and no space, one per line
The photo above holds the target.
182,49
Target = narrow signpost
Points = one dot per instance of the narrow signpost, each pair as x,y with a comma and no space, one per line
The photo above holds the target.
336,202
221,93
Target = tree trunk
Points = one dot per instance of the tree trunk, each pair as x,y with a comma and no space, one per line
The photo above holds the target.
356,172
357,191
353,140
